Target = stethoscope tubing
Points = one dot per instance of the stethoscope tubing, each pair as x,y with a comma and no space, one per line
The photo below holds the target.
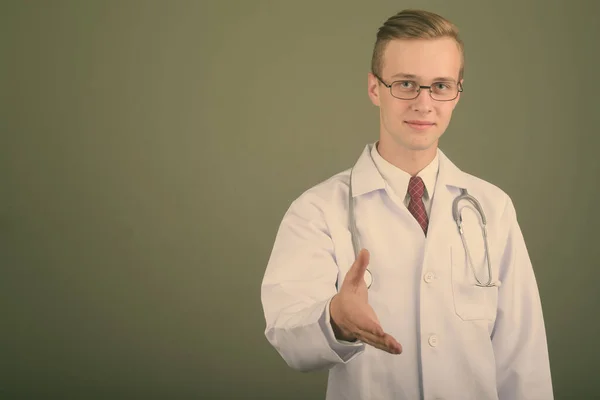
456,214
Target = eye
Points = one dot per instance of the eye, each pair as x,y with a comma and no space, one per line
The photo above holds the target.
441,86
405,86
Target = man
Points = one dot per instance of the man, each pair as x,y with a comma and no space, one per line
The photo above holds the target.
421,312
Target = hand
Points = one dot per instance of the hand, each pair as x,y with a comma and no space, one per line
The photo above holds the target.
351,315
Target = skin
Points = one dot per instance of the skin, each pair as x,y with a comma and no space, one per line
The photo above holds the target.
405,147
410,147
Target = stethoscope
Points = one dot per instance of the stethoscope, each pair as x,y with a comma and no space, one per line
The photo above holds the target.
456,214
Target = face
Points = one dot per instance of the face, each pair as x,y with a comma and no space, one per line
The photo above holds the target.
415,125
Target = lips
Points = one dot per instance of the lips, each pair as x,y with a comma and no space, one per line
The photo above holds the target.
418,122
419,125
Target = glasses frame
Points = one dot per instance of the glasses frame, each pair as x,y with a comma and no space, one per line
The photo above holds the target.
459,85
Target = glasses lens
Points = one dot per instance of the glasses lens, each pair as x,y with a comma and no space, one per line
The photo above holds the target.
444,91
405,89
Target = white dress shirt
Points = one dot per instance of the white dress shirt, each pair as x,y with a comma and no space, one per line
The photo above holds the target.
398,179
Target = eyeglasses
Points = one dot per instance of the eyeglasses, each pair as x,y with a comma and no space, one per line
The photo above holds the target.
409,90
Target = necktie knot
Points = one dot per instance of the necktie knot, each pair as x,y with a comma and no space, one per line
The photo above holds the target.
416,188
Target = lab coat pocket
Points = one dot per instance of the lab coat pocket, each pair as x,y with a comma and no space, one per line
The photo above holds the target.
472,302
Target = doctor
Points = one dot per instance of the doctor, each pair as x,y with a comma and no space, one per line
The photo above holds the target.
415,311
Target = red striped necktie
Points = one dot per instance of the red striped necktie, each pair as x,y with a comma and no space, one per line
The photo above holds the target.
416,189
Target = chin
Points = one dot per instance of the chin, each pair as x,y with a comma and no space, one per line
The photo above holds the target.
419,144
412,141
422,147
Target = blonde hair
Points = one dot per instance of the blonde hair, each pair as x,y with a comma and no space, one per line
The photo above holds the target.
414,24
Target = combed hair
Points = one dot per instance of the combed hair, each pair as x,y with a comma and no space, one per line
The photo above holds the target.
414,24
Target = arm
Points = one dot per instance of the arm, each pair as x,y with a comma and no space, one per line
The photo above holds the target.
519,336
299,283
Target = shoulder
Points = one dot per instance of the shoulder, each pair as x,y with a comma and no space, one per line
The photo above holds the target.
325,194
494,200
491,196
485,188
318,208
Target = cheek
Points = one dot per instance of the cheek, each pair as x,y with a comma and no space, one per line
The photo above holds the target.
394,110
445,112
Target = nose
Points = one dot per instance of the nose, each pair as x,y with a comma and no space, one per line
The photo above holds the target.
423,102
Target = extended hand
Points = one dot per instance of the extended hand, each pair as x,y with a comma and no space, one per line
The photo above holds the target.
352,317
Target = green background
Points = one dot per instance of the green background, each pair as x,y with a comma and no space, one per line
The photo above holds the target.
149,149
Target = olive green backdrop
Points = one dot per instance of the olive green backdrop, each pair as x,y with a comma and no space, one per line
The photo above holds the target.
149,149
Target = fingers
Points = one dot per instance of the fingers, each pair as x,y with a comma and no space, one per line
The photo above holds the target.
367,321
385,342
372,333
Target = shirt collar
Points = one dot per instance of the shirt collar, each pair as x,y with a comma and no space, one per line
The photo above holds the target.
398,179
366,177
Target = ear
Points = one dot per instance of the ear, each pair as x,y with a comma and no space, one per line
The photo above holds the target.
373,89
459,93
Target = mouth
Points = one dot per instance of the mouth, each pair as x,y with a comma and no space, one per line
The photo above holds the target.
420,125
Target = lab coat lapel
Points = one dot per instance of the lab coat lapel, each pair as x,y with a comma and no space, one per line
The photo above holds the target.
366,178
449,182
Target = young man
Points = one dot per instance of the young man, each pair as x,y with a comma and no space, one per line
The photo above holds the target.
425,310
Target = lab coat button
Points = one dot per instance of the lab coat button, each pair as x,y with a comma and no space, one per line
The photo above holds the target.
429,277
433,340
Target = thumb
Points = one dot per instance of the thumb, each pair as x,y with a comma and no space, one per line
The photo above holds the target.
357,271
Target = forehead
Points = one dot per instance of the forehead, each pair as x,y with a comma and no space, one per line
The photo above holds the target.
425,58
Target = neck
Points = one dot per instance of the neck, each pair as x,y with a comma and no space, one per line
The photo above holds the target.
408,160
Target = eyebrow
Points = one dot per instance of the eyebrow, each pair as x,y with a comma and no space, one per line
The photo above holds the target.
411,76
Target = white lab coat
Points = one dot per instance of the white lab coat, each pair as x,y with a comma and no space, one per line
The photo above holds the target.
460,341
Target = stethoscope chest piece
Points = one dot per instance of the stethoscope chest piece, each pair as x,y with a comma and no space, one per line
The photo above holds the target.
368,278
